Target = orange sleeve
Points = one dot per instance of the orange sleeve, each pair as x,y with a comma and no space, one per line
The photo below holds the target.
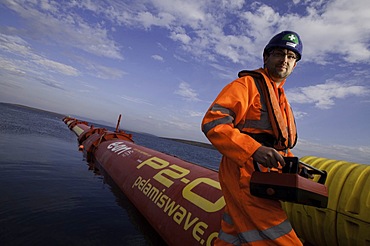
219,122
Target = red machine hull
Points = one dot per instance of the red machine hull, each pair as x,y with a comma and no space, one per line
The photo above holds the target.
182,201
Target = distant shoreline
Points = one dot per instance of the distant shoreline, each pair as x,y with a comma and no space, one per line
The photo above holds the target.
195,143
34,109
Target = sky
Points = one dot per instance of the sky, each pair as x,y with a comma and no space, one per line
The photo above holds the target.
161,63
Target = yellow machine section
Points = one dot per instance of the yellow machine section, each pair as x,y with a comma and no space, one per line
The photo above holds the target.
78,127
346,220
78,130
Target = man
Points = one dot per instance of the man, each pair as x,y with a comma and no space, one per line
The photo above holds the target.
251,121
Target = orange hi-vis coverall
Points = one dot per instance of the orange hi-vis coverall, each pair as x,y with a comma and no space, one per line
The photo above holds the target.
238,113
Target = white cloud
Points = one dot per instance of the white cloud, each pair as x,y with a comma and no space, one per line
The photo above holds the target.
180,58
261,19
358,154
56,24
104,72
233,47
14,44
235,30
339,27
52,84
183,38
335,27
147,19
11,66
158,58
135,100
324,95
189,12
196,113
186,92
48,6
232,4
30,62
299,114
56,66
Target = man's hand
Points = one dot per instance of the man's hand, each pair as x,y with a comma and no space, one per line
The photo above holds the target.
268,157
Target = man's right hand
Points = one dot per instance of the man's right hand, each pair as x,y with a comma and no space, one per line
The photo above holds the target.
268,157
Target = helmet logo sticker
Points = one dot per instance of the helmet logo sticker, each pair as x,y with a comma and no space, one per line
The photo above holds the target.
292,40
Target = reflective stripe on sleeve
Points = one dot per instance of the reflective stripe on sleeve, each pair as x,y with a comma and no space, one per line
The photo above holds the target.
271,233
223,110
234,240
226,217
225,120
207,127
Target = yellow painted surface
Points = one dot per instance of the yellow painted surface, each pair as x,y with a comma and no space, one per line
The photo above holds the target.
78,130
346,220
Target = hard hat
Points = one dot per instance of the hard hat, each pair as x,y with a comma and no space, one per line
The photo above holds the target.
288,40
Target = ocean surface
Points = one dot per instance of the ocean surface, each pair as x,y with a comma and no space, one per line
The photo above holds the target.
49,194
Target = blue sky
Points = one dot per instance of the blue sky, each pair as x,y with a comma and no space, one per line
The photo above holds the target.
161,63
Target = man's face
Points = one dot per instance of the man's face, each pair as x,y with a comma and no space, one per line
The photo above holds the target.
280,63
